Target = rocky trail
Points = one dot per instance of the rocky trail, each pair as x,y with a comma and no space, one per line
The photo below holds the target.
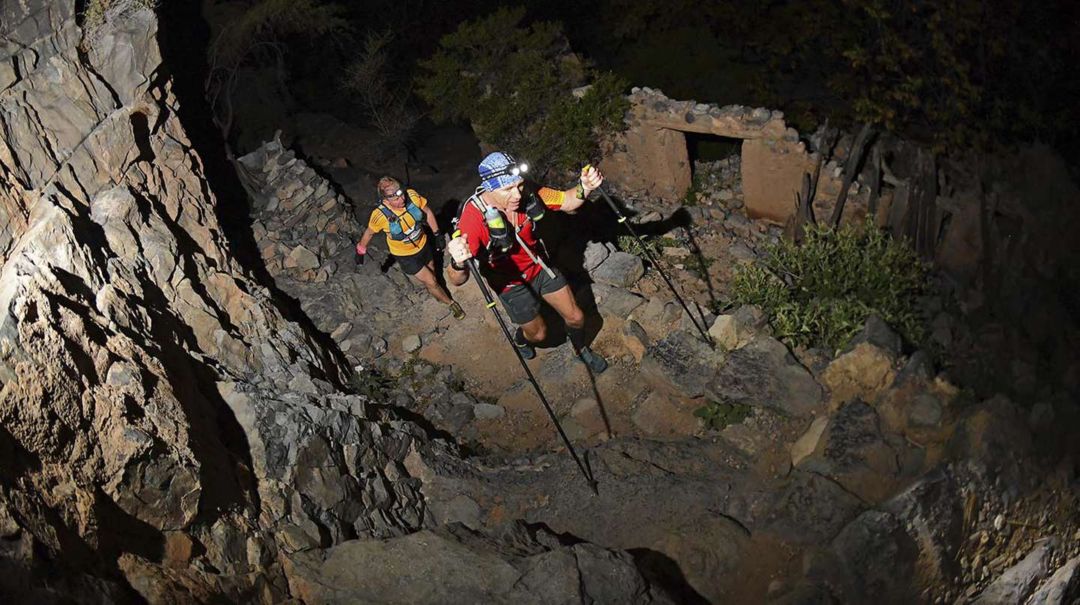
809,458
180,423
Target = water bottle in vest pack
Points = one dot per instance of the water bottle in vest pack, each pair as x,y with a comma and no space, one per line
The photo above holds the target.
500,239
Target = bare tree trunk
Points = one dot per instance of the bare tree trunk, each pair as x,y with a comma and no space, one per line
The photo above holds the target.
804,199
851,168
875,184
923,206
795,229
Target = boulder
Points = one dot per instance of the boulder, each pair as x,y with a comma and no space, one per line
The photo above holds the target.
808,442
411,343
875,560
808,509
302,259
764,373
994,432
453,564
867,367
853,451
617,302
487,411
1060,588
739,328
1018,581
863,372
664,415
680,365
596,253
589,416
619,269
878,333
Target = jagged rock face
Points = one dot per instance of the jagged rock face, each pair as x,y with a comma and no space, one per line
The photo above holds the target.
165,433
153,399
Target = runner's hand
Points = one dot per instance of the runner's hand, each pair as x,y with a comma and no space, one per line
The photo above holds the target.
459,249
361,253
591,179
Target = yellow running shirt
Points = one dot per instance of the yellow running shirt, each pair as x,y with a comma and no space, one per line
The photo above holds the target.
378,223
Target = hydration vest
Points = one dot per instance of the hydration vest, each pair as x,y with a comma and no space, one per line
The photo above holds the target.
396,232
481,207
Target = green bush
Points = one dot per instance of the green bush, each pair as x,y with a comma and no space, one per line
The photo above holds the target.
719,415
373,384
513,84
654,243
820,293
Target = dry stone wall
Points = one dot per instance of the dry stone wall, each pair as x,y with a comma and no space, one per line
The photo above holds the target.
652,156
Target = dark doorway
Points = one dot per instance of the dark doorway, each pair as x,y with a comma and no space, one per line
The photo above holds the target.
710,147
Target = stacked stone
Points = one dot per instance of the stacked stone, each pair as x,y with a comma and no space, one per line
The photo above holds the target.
300,221
719,183
743,122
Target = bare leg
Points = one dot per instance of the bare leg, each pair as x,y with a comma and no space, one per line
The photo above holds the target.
426,276
534,330
562,300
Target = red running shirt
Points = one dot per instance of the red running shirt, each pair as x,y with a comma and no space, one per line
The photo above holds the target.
505,270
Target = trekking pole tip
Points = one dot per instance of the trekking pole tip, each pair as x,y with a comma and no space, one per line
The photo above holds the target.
593,487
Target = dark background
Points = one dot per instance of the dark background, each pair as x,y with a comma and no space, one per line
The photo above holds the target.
956,74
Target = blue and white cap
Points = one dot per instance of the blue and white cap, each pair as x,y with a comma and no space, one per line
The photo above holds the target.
500,169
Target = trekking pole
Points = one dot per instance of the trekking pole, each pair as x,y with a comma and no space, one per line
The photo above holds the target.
656,263
475,268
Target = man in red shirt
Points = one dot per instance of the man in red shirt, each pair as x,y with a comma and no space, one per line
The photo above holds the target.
511,259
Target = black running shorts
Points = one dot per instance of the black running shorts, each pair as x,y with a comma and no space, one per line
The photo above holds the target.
522,303
412,264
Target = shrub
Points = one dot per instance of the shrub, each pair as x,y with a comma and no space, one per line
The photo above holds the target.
99,12
654,243
719,415
373,384
255,34
820,293
385,101
512,83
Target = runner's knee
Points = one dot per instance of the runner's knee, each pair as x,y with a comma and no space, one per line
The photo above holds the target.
425,277
575,318
536,332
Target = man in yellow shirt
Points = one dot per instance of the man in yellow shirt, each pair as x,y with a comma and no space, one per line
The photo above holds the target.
401,214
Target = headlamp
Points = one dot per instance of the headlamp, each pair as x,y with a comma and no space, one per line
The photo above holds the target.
513,169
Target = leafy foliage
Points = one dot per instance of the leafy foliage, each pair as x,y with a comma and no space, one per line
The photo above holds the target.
821,292
951,74
255,33
253,27
719,415
655,245
513,83
909,69
386,102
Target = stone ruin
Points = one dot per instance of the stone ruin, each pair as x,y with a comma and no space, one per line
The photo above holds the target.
652,158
